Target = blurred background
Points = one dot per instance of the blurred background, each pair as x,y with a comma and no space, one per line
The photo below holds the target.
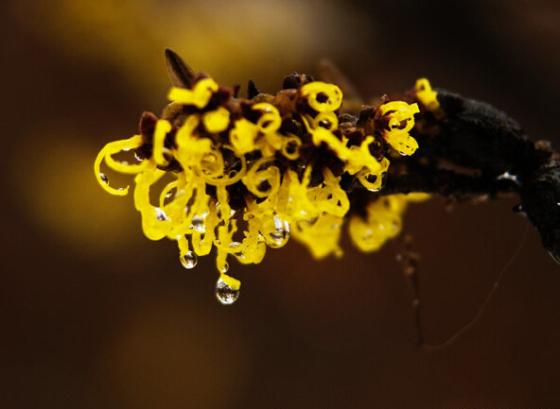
93,315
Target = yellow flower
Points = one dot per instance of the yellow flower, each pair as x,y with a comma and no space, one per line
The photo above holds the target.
247,175
216,121
199,96
400,117
243,135
322,97
426,95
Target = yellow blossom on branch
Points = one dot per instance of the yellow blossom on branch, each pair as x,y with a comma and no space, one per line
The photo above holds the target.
249,173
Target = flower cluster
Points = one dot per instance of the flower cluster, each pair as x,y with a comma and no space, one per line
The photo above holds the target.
239,175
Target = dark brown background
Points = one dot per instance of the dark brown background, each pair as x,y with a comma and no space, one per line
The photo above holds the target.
93,315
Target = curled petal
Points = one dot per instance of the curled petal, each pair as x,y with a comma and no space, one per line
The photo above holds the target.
199,96
262,182
322,97
162,128
243,135
290,147
270,120
373,181
166,191
327,120
426,95
400,116
216,121
105,154
155,223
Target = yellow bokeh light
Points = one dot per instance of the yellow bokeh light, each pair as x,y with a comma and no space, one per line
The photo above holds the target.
58,192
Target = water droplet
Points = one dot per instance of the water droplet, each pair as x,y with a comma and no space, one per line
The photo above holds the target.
509,176
225,294
160,215
188,260
368,235
520,210
277,232
104,177
234,245
224,268
198,224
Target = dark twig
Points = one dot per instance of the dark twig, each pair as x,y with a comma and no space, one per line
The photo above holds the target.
468,149
471,149
447,183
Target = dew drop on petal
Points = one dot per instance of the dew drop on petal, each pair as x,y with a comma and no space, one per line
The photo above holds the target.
224,268
235,246
278,233
104,177
224,293
198,224
188,260
160,215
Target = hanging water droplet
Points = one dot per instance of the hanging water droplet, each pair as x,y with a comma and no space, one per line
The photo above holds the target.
277,232
225,294
188,260
104,177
